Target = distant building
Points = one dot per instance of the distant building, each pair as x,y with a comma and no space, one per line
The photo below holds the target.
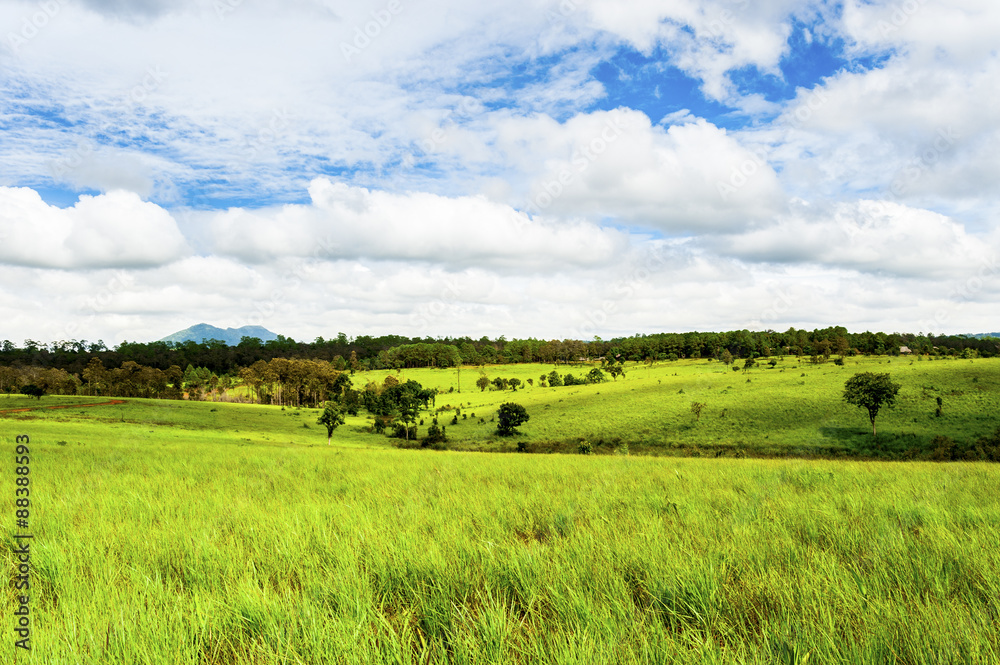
905,349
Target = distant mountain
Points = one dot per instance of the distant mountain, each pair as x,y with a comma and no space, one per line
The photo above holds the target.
231,336
985,335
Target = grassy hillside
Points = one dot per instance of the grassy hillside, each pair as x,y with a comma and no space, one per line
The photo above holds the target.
792,409
182,540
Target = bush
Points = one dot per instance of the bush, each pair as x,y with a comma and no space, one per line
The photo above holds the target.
31,390
435,434
987,448
554,379
585,448
399,431
570,380
596,376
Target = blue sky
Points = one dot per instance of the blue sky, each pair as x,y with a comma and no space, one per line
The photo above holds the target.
810,152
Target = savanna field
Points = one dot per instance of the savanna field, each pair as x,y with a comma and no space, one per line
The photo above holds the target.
772,528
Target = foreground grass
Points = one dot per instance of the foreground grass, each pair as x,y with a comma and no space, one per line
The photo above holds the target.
170,550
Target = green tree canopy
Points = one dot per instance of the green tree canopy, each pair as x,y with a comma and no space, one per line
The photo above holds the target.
332,418
871,391
33,391
509,416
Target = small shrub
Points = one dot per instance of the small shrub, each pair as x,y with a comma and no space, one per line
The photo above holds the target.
435,434
585,448
399,431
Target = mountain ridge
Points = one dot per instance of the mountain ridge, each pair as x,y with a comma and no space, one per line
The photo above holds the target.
203,332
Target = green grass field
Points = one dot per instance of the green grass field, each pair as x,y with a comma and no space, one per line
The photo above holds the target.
214,533
792,409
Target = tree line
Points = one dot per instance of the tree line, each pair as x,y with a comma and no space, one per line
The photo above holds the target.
399,352
293,373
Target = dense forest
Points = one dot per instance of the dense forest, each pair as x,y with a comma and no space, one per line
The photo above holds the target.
154,369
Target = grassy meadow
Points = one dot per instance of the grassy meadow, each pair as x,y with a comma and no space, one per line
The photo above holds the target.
216,533
793,409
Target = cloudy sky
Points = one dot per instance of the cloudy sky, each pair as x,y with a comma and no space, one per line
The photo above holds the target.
526,168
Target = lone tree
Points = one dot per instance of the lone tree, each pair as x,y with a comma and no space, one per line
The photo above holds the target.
332,418
696,408
871,391
33,391
409,410
509,416
483,382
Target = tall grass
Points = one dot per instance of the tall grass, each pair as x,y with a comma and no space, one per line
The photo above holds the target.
165,550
